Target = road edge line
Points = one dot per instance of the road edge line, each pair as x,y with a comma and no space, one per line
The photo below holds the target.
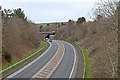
46,63
58,62
84,72
15,73
84,62
19,62
75,59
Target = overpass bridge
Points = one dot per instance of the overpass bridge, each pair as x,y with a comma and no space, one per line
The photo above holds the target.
50,35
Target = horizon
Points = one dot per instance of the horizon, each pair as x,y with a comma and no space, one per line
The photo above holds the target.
53,10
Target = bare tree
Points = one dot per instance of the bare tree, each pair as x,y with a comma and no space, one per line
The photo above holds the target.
106,9
70,27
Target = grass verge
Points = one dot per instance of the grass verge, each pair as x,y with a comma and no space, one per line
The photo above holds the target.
43,46
88,65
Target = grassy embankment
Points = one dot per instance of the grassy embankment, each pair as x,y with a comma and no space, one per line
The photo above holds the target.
88,65
43,46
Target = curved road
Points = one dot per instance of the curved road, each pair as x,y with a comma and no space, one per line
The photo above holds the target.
66,67
68,63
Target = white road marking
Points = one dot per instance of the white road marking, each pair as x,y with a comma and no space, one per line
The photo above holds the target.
12,75
19,61
46,64
20,70
57,63
84,63
49,62
74,60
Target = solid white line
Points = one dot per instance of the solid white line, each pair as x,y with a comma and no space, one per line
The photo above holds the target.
15,73
58,62
34,76
19,61
84,63
74,60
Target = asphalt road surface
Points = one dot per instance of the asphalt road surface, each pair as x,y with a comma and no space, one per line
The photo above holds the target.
66,68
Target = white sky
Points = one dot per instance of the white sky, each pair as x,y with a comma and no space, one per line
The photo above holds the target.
42,11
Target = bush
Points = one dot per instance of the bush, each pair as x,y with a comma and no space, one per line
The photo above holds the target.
80,20
7,57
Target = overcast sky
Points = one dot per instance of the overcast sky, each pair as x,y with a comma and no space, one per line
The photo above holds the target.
42,11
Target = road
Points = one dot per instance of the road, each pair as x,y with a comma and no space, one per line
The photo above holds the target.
58,61
68,63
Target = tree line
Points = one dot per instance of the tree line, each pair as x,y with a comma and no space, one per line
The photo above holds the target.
19,13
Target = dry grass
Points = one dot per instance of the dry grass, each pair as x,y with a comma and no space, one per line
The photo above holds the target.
102,49
18,39
100,39
0,41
